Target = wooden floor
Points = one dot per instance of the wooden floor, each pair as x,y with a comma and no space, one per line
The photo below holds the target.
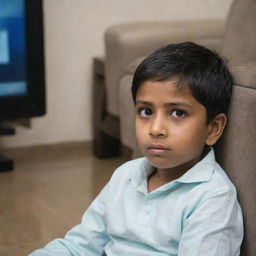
47,193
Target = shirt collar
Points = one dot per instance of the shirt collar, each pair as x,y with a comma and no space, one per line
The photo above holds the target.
201,172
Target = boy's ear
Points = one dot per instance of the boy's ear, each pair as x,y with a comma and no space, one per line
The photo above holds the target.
215,129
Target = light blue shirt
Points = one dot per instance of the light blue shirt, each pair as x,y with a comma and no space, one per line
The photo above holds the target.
195,215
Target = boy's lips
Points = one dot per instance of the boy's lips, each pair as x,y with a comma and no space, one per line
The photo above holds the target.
157,148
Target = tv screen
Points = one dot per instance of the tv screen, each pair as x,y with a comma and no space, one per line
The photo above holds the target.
22,81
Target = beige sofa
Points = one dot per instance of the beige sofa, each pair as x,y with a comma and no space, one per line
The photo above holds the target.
128,44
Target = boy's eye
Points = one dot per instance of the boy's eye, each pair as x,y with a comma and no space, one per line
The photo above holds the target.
178,113
145,112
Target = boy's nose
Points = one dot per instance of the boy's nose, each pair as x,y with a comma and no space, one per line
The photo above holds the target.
158,128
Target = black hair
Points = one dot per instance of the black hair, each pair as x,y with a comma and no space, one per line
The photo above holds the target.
204,70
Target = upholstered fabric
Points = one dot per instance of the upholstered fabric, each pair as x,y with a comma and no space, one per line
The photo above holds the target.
240,41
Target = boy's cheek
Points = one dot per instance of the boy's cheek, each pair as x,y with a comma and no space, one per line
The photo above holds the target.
139,127
140,136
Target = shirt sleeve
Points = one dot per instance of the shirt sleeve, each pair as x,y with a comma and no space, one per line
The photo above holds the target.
88,238
214,228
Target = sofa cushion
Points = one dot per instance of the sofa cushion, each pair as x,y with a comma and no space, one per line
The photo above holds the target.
240,40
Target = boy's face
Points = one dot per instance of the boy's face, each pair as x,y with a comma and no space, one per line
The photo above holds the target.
171,126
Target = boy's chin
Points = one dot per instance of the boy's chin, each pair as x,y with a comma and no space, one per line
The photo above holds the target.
160,163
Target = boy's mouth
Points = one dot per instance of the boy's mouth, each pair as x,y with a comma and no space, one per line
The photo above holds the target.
157,148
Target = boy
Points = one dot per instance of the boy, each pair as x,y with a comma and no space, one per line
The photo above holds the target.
177,200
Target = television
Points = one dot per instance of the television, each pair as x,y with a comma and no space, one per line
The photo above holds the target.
22,72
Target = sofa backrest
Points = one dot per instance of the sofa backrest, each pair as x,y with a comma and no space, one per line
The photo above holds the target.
240,37
236,151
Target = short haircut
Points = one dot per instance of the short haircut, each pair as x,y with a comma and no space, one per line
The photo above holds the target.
204,70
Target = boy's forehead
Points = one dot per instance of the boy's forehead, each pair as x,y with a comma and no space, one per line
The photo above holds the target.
173,86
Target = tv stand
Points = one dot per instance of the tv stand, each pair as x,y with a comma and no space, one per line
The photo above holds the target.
6,164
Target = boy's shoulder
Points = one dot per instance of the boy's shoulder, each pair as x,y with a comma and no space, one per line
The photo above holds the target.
217,182
221,179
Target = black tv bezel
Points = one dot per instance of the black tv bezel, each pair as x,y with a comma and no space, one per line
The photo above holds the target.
33,103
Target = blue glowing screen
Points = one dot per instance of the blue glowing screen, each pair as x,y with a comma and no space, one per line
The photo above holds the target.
12,48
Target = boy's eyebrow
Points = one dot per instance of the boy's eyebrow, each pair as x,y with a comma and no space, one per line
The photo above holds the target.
169,104
178,104
143,102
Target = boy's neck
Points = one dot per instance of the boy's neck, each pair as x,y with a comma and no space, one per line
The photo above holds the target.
160,176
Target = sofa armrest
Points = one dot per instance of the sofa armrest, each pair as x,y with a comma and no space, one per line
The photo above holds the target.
125,43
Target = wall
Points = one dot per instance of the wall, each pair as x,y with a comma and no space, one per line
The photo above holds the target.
73,36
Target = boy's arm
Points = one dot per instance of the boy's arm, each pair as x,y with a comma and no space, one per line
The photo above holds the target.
215,228
88,238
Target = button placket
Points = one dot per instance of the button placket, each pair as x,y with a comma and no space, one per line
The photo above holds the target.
145,213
